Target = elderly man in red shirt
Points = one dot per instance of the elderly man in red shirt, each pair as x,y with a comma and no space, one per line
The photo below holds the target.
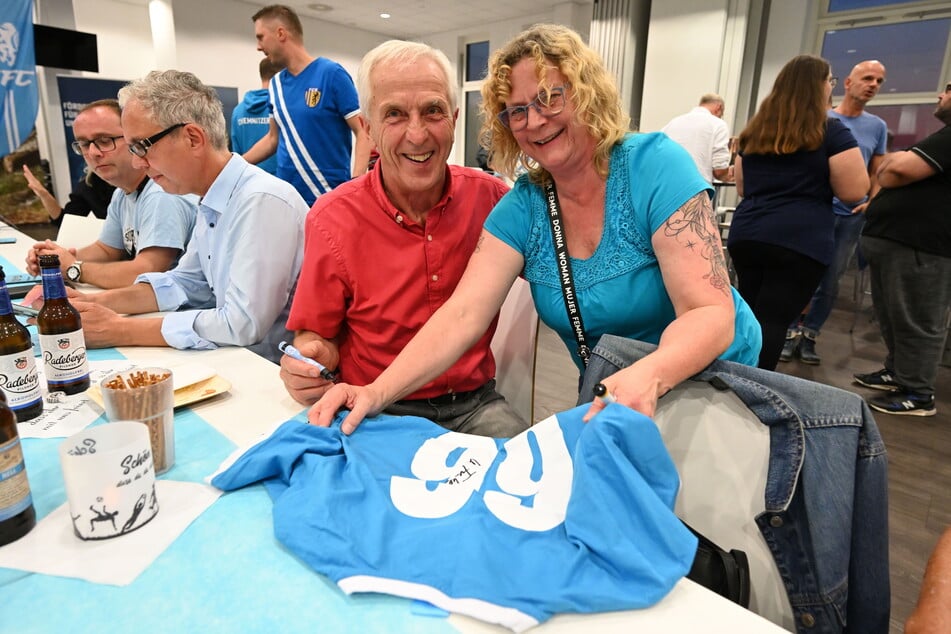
384,251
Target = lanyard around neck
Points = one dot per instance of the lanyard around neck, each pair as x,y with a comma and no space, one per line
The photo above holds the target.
567,284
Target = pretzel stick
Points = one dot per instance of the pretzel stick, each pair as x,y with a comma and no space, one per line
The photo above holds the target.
135,398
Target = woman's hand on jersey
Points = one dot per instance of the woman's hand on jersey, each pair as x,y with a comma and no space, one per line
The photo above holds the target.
634,386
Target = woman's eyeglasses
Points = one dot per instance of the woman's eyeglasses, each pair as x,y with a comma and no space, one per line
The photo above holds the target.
546,103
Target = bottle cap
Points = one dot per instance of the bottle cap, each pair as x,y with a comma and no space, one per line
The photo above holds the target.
49,261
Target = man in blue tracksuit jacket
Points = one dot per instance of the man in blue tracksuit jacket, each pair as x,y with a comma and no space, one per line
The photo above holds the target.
251,118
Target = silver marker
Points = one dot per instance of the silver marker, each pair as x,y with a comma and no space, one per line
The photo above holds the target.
294,353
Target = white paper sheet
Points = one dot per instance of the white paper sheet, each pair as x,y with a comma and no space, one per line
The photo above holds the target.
189,374
51,548
77,412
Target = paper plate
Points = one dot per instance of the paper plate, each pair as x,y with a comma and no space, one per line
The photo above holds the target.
196,384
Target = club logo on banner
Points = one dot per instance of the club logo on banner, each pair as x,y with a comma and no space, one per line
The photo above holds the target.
17,74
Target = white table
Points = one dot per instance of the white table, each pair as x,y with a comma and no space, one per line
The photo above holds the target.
257,401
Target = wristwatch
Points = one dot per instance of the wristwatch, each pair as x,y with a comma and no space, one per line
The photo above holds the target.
74,271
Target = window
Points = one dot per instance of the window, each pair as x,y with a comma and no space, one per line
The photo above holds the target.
477,60
850,5
909,50
908,123
911,38
476,65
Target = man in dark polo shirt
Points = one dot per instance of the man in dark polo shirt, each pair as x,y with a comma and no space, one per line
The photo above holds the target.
907,242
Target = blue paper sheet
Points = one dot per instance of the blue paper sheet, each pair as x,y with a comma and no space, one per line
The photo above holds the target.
18,282
11,270
226,573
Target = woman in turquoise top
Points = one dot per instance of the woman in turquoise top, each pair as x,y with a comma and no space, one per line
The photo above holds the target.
620,286
638,224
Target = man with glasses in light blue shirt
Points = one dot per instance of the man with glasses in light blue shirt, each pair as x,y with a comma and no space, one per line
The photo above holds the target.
234,284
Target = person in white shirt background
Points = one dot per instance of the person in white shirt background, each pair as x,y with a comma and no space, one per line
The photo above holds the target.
703,133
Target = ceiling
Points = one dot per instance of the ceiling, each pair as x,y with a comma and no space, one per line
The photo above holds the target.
415,18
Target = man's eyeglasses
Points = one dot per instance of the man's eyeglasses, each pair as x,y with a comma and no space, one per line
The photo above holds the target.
947,88
547,104
103,144
833,81
141,148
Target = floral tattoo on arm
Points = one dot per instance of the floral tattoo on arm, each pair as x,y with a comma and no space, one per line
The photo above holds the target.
694,225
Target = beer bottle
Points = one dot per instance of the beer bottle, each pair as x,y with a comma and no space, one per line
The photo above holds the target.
17,515
19,381
61,333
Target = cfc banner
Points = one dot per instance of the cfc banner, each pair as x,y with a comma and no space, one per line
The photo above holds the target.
17,74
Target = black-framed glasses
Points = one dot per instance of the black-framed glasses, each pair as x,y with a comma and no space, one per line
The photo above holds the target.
546,103
833,81
103,144
141,148
947,88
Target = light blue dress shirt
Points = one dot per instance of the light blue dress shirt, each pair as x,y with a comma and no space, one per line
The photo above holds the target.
234,284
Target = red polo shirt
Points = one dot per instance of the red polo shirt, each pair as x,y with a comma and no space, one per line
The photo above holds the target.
372,277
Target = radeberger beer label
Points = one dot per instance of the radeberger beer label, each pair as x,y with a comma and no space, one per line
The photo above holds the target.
64,357
19,379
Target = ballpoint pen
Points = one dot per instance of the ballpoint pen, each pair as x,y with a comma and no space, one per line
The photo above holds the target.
294,353
602,393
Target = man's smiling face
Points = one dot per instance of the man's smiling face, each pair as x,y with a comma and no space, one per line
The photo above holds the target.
411,123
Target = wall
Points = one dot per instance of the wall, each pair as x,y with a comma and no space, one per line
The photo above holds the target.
684,54
226,29
791,31
214,39
697,46
124,40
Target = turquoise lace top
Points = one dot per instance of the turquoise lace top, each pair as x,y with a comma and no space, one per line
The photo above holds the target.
620,288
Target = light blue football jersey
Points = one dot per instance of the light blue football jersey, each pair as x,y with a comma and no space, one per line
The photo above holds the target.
565,517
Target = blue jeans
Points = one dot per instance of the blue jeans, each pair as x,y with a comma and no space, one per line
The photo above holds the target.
826,502
846,237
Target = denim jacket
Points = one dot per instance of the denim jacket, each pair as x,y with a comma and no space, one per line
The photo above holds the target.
826,502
